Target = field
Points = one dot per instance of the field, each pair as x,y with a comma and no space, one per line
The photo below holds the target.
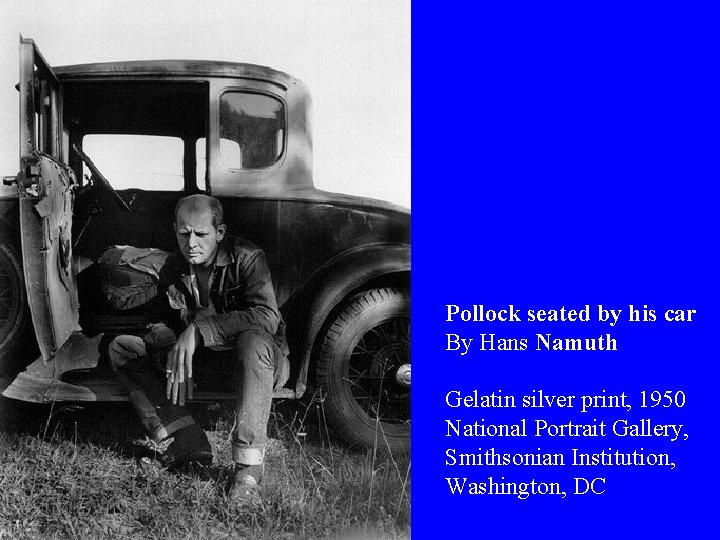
86,472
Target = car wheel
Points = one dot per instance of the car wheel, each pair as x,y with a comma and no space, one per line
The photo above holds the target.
13,309
364,368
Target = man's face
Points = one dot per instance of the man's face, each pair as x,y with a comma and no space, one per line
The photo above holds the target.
197,238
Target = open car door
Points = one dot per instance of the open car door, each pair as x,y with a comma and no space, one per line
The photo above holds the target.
45,185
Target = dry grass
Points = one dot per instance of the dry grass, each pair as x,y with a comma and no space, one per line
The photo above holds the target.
81,475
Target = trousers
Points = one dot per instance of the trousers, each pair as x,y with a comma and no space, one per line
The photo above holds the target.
260,367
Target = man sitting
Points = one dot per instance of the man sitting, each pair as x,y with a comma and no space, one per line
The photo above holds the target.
221,302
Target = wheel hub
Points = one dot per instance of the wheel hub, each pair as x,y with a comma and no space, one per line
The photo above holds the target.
402,375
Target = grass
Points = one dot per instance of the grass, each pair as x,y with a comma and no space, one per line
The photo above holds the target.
82,475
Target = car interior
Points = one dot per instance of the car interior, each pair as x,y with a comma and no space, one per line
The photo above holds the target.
149,134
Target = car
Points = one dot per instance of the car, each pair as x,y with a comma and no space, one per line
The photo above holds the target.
107,150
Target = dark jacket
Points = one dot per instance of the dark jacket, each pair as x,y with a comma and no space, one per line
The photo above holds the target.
241,295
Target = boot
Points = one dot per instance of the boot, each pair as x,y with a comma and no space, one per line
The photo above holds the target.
245,488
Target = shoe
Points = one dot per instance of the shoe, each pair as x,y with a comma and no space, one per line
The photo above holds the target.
190,447
245,488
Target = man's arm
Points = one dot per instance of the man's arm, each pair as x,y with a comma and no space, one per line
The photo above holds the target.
259,312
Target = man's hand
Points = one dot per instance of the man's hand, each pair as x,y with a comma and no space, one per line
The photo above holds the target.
179,365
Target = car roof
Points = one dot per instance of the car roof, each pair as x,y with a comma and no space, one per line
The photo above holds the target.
187,68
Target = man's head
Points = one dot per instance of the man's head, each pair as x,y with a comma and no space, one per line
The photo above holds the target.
199,228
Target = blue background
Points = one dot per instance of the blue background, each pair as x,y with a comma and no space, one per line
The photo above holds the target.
563,158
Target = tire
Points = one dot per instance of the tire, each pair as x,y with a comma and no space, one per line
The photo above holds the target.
364,368
13,304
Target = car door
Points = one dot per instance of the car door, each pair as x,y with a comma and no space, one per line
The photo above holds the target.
45,186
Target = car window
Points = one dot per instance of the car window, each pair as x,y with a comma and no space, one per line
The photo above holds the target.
200,162
149,162
230,151
252,130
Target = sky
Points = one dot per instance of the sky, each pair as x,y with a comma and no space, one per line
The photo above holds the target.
353,55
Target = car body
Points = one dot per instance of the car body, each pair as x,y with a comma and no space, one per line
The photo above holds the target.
340,264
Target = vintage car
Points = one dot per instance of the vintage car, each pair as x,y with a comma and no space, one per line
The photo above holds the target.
340,264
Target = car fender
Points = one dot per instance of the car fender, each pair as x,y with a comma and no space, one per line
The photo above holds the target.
334,282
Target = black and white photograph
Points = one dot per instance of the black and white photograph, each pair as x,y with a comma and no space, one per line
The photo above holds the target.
205,269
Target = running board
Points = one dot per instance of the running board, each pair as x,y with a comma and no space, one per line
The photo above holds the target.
38,384
33,387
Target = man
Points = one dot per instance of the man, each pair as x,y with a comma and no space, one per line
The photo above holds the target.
221,298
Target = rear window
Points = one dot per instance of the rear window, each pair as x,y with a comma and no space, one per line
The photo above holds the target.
149,162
